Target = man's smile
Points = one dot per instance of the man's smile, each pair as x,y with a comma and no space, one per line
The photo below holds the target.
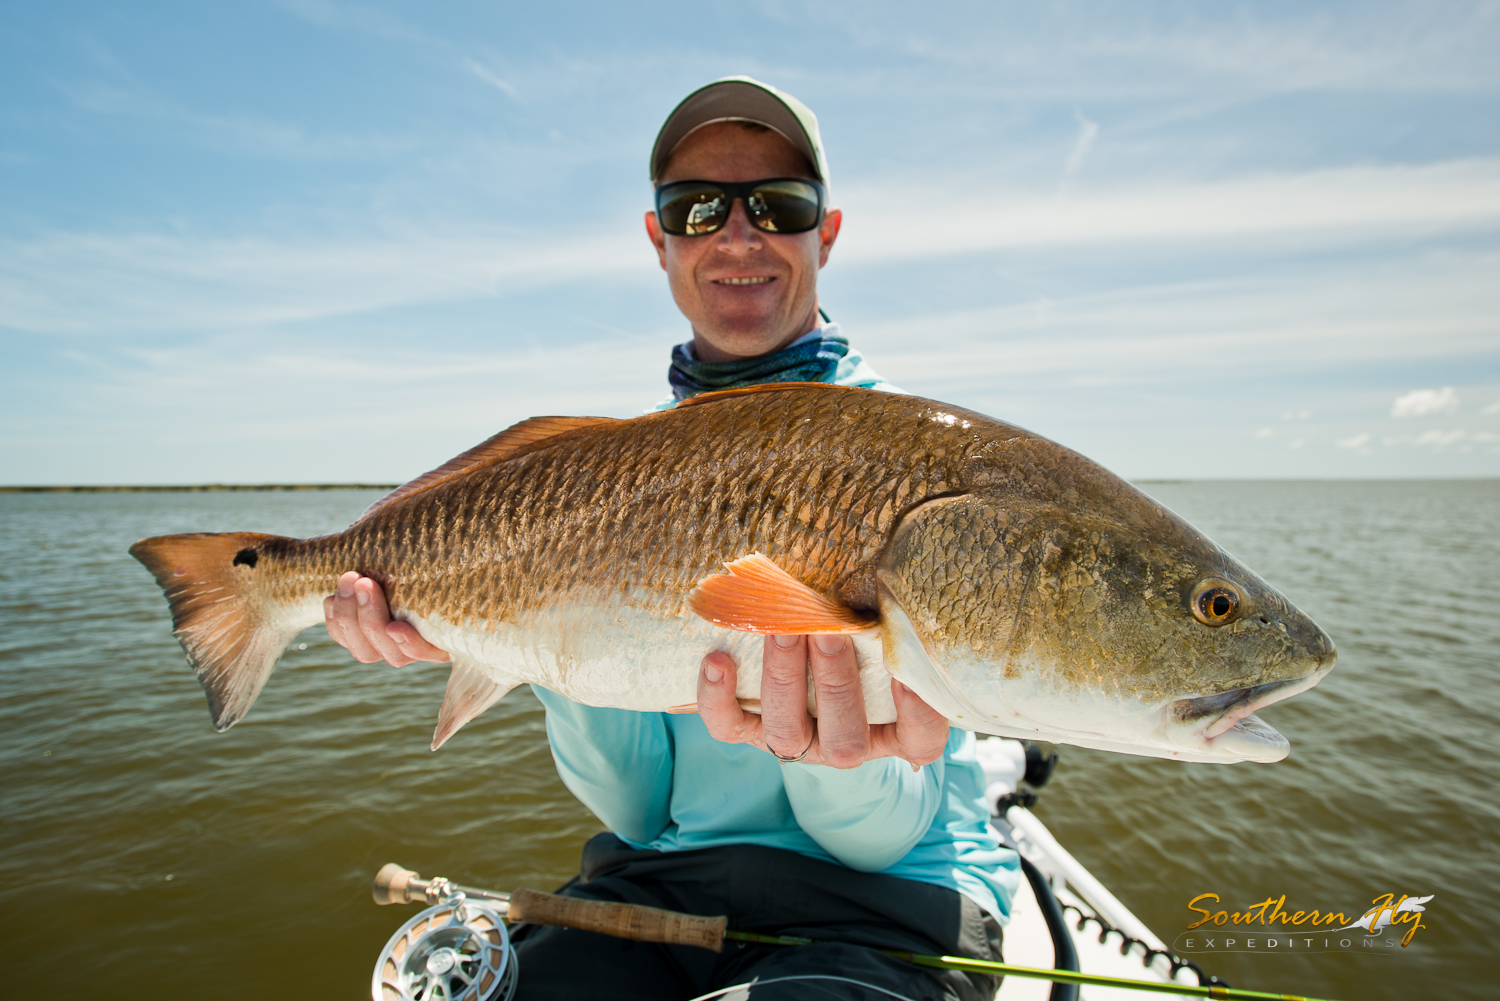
759,280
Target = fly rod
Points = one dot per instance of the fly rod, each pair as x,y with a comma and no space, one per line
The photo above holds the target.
395,885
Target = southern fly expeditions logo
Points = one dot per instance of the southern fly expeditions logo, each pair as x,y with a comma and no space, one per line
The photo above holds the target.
1268,927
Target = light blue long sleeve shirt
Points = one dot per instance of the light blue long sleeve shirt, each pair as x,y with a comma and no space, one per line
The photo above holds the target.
660,781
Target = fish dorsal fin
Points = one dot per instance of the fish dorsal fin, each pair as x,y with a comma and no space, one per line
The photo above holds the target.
505,445
765,387
757,596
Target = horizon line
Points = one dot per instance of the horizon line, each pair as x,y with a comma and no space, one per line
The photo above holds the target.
126,488
272,487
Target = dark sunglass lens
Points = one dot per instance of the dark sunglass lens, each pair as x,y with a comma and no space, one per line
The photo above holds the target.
691,209
784,206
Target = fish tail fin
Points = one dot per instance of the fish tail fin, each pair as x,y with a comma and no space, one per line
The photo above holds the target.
233,636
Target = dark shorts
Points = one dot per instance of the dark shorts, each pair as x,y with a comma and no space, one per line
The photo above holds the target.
771,892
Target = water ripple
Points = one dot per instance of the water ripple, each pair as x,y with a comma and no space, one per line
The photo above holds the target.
114,780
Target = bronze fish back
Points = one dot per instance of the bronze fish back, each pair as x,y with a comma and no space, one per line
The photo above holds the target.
815,477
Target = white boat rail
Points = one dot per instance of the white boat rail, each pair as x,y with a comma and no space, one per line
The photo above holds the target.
1105,904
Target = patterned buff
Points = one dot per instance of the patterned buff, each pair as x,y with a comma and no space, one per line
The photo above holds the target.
813,360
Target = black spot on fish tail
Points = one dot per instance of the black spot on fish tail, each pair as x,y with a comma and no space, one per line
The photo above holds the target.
231,639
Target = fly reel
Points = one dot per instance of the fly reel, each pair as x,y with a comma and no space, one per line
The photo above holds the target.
456,950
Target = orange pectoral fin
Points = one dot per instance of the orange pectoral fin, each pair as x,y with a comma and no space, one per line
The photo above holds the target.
757,596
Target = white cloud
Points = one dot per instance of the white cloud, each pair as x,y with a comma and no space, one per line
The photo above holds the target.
1131,50
1339,206
1308,318
1439,438
1088,131
83,282
1355,441
429,404
1420,402
173,280
490,77
1485,436
1435,438
245,134
1492,409
1264,433
358,18
1297,443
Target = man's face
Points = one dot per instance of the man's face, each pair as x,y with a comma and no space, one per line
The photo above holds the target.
745,292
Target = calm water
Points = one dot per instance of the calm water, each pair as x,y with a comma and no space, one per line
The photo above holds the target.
143,855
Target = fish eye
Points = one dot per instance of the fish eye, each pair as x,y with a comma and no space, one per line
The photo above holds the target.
1215,603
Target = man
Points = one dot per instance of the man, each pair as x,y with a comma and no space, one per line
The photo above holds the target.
862,837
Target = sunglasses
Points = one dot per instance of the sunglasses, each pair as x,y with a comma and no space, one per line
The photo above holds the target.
775,205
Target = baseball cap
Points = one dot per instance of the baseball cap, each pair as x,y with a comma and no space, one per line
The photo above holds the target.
741,99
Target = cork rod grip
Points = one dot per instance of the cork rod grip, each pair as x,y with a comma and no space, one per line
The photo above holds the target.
644,924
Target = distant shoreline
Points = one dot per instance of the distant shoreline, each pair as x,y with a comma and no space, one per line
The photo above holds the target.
200,488
210,488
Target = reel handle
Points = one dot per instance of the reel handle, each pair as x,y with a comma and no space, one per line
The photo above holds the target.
393,883
644,924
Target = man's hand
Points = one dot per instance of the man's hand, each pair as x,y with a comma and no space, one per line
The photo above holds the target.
842,737
359,620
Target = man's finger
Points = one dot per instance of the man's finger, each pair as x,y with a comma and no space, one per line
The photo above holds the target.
334,627
920,733
346,614
719,707
786,727
843,727
374,617
413,645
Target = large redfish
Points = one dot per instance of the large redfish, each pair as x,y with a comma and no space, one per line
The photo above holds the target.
1017,587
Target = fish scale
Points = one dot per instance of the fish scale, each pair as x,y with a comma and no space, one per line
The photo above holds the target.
1016,586
573,494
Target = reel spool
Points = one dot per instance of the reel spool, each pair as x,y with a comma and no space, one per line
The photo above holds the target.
454,951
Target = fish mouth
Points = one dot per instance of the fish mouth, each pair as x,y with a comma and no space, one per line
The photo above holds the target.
1228,708
1231,724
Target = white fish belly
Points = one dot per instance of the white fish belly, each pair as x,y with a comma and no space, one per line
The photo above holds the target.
622,657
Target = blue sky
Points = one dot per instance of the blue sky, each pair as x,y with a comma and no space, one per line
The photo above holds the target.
324,241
